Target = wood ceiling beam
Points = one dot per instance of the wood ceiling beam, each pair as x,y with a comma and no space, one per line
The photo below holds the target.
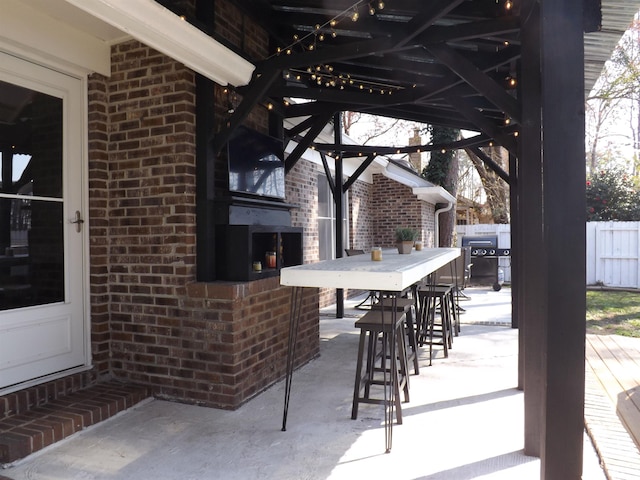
300,127
475,77
471,30
311,109
352,151
320,122
485,125
413,62
255,93
440,86
489,162
330,54
359,171
331,95
433,11
427,116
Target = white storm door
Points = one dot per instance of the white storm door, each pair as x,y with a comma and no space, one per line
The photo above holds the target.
43,329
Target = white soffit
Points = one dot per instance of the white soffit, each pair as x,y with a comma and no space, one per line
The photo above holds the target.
159,28
433,195
32,31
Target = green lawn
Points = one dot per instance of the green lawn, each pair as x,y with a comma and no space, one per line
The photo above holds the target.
613,312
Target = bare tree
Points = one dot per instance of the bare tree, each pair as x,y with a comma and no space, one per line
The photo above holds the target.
615,100
496,189
374,127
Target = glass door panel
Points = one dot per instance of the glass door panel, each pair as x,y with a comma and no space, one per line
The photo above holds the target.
31,203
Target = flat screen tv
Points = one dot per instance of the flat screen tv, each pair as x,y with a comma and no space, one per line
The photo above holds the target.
256,164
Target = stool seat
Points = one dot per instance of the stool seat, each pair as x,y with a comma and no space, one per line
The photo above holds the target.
402,304
373,326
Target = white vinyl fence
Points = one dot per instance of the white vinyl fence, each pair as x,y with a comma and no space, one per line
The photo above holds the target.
613,251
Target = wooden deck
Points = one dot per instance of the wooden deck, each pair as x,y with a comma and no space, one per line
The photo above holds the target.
612,393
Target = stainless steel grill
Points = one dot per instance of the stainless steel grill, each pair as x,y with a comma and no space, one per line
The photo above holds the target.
484,259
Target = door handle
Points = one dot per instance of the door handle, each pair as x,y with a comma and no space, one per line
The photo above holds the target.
78,221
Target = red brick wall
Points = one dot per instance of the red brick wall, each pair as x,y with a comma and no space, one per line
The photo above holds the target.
302,191
395,206
214,344
361,216
98,129
240,334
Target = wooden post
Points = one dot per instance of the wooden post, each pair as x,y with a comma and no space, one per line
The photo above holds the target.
552,212
531,245
564,221
338,195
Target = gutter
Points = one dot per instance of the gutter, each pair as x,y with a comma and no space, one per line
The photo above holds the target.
436,194
159,28
436,228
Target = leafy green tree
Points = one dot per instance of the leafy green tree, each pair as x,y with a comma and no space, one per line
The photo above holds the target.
443,170
437,171
611,195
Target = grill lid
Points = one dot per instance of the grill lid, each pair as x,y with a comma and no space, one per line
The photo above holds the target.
482,241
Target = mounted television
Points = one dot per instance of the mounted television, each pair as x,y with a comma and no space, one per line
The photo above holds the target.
256,164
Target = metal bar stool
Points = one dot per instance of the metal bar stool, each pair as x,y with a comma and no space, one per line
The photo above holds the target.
376,325
406,306
436,306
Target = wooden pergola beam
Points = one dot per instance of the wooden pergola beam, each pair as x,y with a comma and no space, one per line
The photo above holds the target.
255,93
475,77
483,124
433,11
488,161
472,30
307,140
349,150
359,171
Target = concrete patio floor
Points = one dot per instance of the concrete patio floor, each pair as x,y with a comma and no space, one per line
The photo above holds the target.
464,421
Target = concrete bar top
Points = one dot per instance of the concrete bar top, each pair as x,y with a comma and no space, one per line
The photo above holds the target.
394,273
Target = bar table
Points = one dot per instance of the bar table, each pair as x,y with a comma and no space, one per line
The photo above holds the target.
391,276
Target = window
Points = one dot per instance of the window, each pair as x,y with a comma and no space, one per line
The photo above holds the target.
327,220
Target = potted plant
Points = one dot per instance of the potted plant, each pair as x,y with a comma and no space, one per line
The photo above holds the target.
405,237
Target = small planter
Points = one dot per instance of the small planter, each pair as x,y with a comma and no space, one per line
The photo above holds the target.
405,237
405,247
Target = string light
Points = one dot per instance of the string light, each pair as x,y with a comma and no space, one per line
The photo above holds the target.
320,30
323,74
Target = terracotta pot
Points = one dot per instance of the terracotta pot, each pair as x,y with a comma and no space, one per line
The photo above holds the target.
405,247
